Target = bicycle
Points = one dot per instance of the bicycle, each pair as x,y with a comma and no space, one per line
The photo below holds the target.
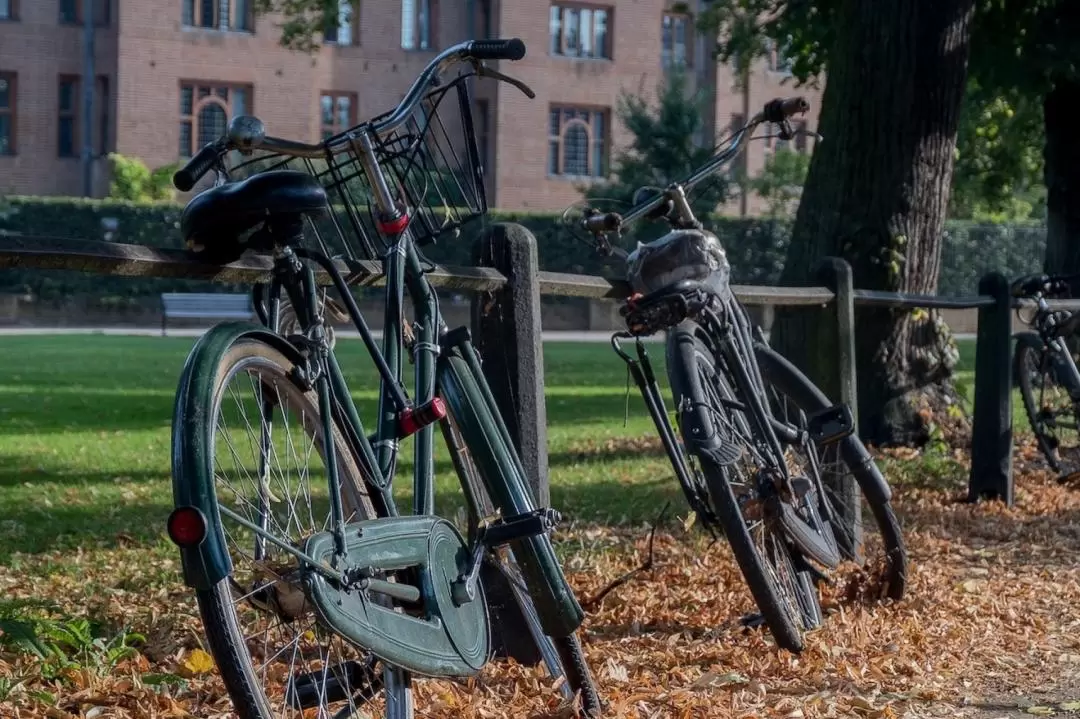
361,595
1043,364
732,393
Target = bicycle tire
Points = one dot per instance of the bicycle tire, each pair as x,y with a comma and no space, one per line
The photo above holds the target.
1030,346
778,371
683,370
567,646
225,637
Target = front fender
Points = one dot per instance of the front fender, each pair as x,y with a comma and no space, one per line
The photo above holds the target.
207,563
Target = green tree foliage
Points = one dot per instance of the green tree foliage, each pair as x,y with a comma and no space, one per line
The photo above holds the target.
781,180
133,180
304,21
663,148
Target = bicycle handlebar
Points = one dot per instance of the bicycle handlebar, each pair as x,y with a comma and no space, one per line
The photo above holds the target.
778,111
249,134
1042,284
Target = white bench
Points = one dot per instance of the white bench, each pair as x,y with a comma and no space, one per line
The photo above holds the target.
204,305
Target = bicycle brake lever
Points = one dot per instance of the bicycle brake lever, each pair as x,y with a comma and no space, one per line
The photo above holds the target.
483,70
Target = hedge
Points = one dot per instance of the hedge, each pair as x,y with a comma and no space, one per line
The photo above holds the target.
756,247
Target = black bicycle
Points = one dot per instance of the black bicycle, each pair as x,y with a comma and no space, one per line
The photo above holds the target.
1045,370
318,596
765,457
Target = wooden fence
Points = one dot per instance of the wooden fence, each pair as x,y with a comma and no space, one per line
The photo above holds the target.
515,283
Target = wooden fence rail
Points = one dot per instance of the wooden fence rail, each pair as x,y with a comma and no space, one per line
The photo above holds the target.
515,283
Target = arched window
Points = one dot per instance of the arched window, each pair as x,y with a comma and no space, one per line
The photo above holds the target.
578,142
205,111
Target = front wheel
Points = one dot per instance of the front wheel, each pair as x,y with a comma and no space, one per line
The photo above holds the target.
257,445
1048,404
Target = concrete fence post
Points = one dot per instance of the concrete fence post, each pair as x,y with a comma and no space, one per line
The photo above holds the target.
991,431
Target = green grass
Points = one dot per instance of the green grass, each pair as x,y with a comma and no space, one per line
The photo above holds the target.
85,438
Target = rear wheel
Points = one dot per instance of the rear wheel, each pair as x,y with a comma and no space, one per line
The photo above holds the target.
266,463
782,590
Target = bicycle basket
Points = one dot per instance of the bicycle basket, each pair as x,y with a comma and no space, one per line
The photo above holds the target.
430,163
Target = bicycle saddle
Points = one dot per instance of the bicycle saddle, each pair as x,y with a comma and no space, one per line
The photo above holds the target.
214,219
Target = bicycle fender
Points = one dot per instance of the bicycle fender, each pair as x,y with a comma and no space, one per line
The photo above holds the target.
700,433
207,563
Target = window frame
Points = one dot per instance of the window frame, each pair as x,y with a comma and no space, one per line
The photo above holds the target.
605,140
106,11
433,26
196,16
335,127
354,26
608,52
11,111
688,43
197,103
13,12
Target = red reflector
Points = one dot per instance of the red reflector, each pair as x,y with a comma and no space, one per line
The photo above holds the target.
186,526
394,227
414,419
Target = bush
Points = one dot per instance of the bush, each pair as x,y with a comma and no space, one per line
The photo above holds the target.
755,246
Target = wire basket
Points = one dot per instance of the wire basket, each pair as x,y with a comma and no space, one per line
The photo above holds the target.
430,163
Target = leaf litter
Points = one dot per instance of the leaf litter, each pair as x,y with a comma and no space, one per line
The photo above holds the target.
990,618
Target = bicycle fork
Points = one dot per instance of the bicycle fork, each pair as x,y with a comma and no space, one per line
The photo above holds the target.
645,379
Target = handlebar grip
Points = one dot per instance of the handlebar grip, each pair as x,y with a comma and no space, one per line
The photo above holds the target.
780,109
186,177
605,222
513,49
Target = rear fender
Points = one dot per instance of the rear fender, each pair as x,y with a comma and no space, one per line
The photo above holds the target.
206,564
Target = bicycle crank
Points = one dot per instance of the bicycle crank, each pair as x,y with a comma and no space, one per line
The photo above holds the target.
428,633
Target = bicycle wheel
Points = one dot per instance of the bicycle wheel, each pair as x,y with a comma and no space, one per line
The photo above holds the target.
513,570
275,657
879,547
784,594
1048,405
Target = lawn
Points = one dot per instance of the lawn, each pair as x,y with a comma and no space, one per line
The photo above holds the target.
84,492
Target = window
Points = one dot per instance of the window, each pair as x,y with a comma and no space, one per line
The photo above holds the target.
7,113
676,41
71,11
235,15
205,110
347,31
417,24
338,112
8,10
577,142
776,55
577,31
800,136
69,113
481,127
68,107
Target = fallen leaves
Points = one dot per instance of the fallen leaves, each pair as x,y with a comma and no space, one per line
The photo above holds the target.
991,612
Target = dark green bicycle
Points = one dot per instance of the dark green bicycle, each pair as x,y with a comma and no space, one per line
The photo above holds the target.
318,597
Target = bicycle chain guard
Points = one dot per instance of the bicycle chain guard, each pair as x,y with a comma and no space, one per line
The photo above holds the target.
441,639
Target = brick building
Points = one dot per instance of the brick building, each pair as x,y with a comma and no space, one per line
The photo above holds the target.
169,73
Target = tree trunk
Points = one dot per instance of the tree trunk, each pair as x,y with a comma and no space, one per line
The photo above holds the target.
876,195
1062,177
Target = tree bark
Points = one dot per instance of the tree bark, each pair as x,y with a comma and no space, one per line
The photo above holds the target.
876,195
1061,173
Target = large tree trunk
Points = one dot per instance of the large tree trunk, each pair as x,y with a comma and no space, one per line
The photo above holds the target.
876,195
1062,176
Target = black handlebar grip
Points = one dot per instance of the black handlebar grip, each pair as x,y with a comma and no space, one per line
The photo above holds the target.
780,109
186,177
603,222
513,49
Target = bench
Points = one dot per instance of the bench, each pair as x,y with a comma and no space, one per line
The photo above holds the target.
204,305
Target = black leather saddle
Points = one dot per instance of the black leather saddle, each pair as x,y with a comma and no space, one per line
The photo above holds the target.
214,220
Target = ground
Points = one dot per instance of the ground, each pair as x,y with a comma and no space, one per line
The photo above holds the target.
990,627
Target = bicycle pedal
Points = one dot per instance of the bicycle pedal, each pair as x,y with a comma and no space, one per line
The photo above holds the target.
831,425
519,526
753,620
349,679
